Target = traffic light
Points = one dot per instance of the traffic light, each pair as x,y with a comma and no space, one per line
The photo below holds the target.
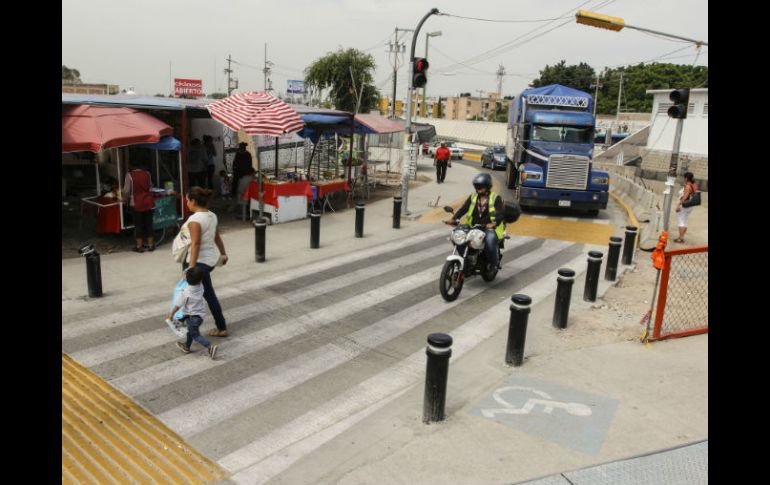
419,72
680,98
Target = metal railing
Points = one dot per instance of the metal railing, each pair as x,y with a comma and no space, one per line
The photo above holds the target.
683,296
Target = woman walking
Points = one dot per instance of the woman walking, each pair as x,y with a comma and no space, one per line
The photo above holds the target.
205,241
683,213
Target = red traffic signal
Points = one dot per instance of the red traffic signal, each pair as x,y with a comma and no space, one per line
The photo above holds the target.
680,98
419,72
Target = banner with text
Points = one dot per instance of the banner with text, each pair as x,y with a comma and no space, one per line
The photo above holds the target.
295,87
190,87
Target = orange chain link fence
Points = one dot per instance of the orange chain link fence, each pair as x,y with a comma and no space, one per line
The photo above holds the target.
683,306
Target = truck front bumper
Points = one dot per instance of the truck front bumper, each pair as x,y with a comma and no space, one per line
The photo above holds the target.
568,199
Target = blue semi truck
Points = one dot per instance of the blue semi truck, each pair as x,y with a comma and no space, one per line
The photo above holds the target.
549,147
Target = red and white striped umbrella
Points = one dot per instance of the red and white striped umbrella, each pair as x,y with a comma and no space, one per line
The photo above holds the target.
256,113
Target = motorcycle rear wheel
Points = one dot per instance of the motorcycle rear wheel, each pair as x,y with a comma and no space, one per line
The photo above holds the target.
450,282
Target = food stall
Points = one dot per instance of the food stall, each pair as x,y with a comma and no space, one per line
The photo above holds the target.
169,208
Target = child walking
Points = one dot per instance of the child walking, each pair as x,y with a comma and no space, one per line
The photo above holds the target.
190,301
225,185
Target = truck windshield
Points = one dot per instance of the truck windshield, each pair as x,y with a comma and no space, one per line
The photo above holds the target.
566,134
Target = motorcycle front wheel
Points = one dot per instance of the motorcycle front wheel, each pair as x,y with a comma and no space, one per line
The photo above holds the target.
450,282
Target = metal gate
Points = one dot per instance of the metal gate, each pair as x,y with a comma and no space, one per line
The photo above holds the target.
683,296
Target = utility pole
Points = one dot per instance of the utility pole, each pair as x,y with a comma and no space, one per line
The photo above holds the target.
597,85
268,86
423,107
500,74
228,71
395,49
405,175
617,113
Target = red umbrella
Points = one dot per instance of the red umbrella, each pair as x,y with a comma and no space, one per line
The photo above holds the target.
257,113
91,128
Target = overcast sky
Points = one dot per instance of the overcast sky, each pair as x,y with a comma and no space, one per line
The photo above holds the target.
145,43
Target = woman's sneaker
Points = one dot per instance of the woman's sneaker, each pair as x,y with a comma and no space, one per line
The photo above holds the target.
185,349
212,351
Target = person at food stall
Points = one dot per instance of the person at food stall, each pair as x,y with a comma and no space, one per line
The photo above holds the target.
196,164
241,163
209,153
206,249
137,194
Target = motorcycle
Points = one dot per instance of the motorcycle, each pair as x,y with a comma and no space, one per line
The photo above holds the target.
467,259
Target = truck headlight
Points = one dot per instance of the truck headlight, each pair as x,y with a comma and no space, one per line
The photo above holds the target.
532,176
600,180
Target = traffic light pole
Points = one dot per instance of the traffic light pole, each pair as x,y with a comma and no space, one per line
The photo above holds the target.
671,179
410,91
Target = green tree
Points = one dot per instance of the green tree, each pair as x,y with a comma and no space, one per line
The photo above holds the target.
333,71
579,76
71,76
642,77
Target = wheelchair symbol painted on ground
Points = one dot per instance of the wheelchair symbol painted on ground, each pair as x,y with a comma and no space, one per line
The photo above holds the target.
547,402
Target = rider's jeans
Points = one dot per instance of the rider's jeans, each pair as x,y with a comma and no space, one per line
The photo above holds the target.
490,246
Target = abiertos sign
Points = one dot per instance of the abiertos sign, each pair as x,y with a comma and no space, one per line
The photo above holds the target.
192,87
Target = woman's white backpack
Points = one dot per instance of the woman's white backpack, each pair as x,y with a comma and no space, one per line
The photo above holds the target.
181,244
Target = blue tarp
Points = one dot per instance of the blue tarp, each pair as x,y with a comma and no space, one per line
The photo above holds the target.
550,90
168,143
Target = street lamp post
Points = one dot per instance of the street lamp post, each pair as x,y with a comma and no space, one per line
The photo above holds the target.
423,109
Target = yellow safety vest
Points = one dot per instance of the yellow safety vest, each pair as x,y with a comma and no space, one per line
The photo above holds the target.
500,229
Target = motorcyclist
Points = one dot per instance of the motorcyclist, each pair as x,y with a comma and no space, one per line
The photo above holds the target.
484,207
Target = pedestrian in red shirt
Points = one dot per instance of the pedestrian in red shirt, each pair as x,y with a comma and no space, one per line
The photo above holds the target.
136,192
442,159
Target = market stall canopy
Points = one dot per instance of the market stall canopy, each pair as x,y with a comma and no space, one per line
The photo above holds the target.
167,143
93,128
371,123
256,113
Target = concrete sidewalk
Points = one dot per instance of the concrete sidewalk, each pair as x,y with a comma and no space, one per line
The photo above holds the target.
643,399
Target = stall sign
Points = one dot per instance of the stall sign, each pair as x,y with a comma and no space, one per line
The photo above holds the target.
192,87
295,87
164,214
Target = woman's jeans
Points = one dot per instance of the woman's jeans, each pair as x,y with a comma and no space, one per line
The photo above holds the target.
193,324
210,296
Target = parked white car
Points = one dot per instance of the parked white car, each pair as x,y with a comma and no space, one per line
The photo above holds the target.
456,151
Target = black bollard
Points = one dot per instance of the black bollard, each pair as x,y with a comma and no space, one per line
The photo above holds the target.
628,247
517,329
359,220
315,229
260,226
592,275
563,294
612,259
93,270
396,212
439,350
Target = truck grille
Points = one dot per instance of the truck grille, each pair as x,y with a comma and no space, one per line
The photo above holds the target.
567,172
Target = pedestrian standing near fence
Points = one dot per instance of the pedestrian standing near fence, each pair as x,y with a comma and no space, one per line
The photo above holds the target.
683,213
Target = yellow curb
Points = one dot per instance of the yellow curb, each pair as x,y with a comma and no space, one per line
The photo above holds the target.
472,156
632,221
109,438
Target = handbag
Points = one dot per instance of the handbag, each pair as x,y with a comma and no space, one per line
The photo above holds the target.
692,200
181,244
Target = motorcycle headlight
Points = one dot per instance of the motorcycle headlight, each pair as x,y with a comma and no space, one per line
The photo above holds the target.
476,238
459,236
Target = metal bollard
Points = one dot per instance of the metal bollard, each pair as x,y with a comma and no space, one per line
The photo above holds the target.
439,350
396,212
93,270
260,226
592,275
628,247
563,294
517,329
613,256
315,229
359,220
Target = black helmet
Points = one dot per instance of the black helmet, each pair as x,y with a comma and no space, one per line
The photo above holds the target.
482,180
